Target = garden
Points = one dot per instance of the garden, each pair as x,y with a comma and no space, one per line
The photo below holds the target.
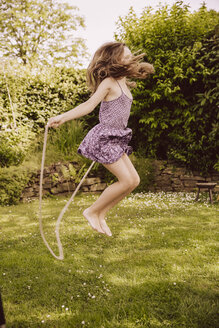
159,269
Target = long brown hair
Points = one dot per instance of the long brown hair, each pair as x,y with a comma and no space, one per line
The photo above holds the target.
107,62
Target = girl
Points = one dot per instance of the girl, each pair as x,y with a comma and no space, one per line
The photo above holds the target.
107,142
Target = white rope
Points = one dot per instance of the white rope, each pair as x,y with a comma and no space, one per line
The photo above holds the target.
60,256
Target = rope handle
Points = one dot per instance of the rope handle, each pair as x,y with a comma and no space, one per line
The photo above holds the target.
60,248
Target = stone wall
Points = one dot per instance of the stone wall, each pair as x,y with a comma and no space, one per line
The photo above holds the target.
55,182
170,177
167,177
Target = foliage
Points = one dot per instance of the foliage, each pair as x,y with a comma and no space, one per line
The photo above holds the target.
15,144
69,172
40,31
216,166
168,107
174,113
199,146
12,182
38,94
66,139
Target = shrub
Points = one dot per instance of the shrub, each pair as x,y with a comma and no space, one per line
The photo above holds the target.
66,138
15,145
12,182
174,113
40,92
37,94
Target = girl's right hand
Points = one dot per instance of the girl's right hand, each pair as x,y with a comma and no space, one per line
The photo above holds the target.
55,121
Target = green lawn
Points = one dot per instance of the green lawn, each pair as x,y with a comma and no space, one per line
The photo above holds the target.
158,269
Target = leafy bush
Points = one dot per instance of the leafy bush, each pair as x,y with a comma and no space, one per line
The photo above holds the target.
198,146
40,92
37,94
69,172
66,138
12,182
15,145
174,111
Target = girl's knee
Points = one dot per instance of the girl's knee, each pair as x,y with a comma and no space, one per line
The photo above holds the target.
128,178
131,182
136,181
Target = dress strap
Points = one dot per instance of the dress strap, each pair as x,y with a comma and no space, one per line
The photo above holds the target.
120,86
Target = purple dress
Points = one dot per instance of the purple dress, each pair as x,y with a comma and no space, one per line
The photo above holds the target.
107,141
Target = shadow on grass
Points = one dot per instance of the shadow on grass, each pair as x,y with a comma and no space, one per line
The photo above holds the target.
152,304
157,271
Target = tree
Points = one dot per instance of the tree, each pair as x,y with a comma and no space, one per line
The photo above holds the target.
40,31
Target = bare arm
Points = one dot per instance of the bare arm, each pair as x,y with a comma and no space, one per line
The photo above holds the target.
84,108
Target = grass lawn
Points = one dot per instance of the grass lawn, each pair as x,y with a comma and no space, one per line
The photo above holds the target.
159,269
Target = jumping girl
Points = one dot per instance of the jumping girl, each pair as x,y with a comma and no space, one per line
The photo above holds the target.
107,142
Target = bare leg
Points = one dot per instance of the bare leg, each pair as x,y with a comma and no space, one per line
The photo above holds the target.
133,172
102,214
108,195
93,220
128,179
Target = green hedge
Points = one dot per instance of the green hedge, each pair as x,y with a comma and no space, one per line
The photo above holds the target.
175,111
37,94
15,145
13,180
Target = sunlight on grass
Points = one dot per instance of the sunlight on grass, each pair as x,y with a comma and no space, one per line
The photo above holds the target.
159,269
162,200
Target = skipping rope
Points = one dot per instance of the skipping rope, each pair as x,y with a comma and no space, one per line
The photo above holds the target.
60,256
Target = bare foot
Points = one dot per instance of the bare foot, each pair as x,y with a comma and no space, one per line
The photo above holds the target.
104,226
93,220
